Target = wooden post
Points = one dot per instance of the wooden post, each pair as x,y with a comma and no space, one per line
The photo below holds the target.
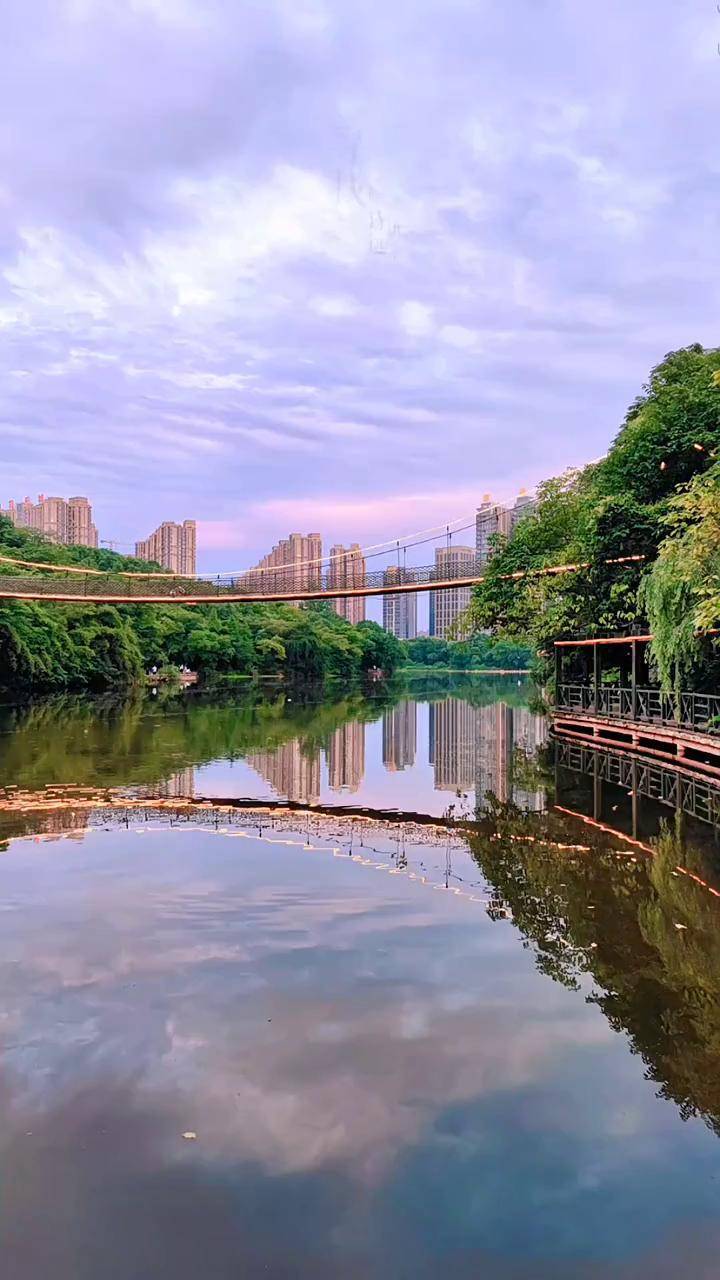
596,676
633,679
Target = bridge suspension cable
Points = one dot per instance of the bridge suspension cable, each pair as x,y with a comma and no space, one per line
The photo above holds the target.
420,538
286,587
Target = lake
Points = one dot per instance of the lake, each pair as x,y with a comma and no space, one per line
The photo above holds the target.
363,985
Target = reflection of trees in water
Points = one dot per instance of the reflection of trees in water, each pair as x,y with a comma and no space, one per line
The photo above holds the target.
143,740
644,933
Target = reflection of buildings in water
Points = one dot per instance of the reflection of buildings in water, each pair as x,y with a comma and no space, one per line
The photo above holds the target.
346,756
494,752
399,741
177,786
452,744
476,748
529,735
289,771
504,733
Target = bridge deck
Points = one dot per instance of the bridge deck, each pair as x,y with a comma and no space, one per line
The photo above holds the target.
99,590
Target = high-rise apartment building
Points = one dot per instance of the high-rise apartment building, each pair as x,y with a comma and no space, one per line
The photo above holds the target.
491,520
81,531
525,505
347,569
174,546
399,736
294,564
447,604
21,513
494,521
400,610
61,520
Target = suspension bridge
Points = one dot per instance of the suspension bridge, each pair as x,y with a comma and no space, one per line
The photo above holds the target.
333,577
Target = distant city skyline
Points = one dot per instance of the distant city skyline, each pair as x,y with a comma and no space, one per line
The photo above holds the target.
298,561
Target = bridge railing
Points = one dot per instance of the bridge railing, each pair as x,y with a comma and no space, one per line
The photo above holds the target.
700,711
280,580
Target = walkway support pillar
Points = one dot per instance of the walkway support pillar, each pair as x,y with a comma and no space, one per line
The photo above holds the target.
596,677
597,788
633,678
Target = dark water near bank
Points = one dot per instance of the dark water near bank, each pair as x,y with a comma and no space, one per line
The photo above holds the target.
289,1043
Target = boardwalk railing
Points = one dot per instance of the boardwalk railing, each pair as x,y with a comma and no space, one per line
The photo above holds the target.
700,711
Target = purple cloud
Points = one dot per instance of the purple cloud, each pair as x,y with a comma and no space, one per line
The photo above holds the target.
285,252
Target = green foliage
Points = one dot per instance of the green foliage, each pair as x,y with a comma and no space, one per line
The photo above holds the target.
615,509
48,647
480,653
682,591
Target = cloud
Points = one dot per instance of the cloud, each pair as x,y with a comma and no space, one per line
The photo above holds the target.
415,318
336,308
348,517
350,247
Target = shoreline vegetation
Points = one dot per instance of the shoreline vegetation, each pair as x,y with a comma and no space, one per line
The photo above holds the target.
413,669
50,648
654,496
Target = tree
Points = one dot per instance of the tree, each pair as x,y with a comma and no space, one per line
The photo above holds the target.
681,593
609,520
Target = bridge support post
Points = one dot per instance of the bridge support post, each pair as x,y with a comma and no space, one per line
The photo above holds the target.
596,677
633,679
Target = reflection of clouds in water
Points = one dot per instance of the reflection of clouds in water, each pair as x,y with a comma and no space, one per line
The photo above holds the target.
322,1028
176,975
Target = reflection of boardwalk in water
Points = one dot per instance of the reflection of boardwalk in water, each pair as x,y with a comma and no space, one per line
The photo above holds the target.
677,789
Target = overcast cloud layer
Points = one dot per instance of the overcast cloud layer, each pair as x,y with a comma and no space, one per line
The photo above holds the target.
345,266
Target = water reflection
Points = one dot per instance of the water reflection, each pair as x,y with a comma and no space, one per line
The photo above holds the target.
477,1034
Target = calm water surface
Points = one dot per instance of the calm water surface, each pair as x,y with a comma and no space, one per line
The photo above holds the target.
293,1042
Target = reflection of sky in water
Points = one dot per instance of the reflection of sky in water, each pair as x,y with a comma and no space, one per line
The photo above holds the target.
381,1083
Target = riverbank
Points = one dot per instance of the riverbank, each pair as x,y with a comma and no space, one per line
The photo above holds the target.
463,671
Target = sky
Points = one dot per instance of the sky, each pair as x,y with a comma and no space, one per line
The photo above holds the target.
343,266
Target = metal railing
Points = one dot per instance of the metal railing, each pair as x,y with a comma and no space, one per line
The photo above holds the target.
277,582
700,711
